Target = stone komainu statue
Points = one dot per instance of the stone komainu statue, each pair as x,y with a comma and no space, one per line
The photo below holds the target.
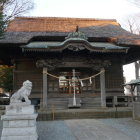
23,92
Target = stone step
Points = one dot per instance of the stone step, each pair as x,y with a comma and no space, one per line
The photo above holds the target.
82,115
95,99
59,103
72,115
71,95
88,103
93,105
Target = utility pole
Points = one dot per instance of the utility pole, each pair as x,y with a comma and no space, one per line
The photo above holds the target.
137,67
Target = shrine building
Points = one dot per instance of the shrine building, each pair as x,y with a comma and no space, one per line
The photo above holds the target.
61,56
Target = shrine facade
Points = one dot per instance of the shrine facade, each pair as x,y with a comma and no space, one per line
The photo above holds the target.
47,50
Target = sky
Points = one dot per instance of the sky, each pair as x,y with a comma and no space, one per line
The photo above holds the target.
105,9
112,9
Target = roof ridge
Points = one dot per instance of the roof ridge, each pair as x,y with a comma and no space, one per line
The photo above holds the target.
76,18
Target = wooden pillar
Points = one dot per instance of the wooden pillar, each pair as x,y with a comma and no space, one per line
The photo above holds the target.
14,76
129,100
103,94
93,82
44,87
115,101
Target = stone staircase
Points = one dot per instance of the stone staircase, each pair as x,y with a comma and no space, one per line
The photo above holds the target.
92,102
59,103
62,102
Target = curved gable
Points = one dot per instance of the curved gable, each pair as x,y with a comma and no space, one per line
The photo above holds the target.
75,41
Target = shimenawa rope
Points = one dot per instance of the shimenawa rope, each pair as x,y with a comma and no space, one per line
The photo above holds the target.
74,79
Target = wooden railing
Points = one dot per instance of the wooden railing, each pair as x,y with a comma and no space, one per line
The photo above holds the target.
112,101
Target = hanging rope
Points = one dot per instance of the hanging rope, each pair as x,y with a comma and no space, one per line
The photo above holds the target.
74,79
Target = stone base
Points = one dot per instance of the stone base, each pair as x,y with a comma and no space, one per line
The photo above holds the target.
78,103
31,137
19,126
19,108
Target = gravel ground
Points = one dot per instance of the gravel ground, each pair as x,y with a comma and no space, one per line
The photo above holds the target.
125,125
57,130
1,126
51,130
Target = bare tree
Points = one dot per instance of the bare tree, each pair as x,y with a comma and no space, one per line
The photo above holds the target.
133,20
132,23
12,8
135,2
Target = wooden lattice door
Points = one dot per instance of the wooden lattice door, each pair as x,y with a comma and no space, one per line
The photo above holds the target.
66,86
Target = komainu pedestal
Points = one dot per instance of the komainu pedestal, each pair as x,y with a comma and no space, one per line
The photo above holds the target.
19,121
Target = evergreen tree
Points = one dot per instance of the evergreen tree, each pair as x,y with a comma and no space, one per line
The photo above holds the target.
3,23
6,78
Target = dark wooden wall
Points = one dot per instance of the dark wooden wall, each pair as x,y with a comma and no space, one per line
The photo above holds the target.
113,79
25,69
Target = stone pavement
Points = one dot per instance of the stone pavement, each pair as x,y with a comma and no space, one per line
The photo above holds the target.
91,129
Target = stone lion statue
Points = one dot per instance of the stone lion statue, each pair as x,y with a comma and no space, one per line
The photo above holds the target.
23,92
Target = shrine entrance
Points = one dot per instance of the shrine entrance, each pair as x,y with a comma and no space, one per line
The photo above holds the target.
66,86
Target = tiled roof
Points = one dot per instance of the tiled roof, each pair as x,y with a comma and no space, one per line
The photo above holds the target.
133,82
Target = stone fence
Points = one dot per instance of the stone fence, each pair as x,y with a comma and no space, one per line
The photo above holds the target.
136,111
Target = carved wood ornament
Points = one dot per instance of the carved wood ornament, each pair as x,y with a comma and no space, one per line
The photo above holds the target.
97,64
51,64
76,47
